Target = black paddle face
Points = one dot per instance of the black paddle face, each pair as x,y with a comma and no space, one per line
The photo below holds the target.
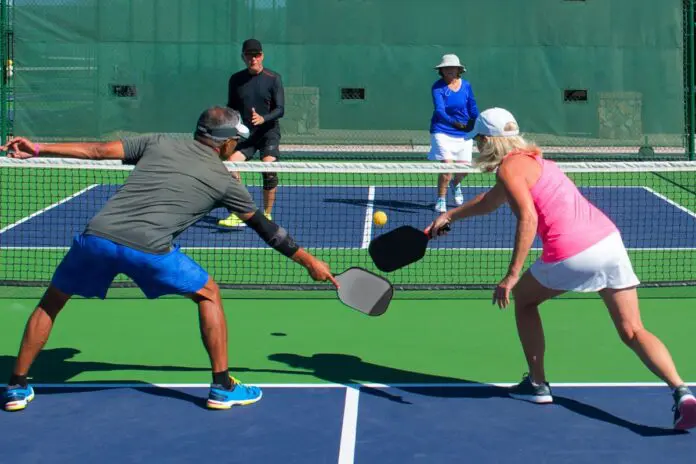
364,291
398,248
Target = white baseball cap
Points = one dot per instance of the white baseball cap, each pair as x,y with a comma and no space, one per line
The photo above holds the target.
492,122
450,61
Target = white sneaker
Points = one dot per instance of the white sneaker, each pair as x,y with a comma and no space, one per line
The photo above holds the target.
441,205
458,195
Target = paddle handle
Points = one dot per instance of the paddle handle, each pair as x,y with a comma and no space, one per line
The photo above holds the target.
446,228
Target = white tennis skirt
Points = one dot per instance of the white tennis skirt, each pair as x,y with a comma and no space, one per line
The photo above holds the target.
445,147
603,265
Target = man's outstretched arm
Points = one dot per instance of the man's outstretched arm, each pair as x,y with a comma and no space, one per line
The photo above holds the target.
21,148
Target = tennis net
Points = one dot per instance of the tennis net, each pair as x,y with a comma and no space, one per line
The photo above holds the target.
328,208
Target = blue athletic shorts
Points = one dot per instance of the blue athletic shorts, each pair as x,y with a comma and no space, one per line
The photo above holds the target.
93,262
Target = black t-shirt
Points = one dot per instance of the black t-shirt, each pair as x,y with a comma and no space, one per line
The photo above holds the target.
263,92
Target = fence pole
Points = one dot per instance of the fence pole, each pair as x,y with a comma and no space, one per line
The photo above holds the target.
691,101
4,82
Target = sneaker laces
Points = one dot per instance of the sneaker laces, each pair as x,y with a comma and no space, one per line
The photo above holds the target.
237,384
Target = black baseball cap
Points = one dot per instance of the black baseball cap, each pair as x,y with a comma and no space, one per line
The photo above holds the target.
251,45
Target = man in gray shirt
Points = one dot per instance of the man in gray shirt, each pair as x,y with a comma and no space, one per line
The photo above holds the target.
173,185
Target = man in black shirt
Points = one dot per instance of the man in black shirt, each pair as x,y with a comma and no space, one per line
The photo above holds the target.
257,93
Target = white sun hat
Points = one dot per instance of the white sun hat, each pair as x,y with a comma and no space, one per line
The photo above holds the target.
450,60
493,122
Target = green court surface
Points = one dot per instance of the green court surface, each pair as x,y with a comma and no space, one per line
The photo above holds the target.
293,340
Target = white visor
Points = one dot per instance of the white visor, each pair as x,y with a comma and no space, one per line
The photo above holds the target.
242,130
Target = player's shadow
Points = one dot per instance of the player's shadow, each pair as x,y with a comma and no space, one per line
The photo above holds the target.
346,370
58,366
386,205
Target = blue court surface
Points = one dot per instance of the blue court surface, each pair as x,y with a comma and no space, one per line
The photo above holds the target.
338,424
340,217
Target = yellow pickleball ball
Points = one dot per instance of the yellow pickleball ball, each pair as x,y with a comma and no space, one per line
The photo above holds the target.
379,218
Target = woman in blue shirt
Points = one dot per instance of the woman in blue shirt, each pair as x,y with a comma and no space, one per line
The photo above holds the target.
454,115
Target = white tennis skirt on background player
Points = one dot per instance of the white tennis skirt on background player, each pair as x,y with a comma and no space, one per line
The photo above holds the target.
445,147
603,265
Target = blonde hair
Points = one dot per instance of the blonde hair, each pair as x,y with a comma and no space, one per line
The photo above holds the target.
495,148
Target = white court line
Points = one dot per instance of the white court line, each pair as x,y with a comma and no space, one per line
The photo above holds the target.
49,248
346,453
353,386
367,228
673,203
11,226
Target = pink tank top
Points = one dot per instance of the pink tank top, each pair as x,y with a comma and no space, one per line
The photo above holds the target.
567,222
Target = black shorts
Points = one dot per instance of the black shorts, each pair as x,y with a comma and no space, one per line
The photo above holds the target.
267,144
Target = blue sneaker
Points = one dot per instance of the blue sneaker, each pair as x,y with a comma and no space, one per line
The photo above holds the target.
220,398
17,398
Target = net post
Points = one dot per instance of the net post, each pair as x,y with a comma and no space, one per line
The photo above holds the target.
4,82
646,151
691,102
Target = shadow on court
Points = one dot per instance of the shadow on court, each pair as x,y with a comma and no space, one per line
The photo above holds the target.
347,369
387,205
57,366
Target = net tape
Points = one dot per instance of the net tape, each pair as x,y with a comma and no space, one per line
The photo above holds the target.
353,167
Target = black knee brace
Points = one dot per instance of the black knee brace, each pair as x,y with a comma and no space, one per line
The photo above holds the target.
270,180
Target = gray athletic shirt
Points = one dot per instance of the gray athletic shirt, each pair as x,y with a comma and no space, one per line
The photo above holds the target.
174,184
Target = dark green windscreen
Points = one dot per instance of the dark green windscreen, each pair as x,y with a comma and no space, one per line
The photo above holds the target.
575,73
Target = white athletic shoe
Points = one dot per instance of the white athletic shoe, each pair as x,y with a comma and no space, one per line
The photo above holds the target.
458,195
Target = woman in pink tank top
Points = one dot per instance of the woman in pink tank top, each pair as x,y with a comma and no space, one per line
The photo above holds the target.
582,251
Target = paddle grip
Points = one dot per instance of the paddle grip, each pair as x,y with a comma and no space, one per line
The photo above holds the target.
446,228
